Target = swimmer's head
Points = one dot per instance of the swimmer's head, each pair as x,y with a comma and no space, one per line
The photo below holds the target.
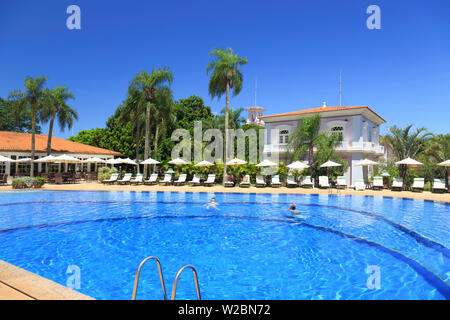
292,207
213,199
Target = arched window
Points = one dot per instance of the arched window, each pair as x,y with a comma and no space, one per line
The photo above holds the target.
337,129
284,136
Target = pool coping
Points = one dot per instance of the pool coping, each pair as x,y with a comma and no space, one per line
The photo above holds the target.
19,284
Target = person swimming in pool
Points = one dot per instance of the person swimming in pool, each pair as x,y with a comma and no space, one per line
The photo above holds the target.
213,204
294,210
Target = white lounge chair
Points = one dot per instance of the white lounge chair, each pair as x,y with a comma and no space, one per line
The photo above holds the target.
397,184
195,180
112,179
377,183
323,182
360,185
275,181
341,183
167,179
126,179
245,182
260,181
181,179
211,180
229,182
290,182
152,180
306,182
138,179
418,184
439,186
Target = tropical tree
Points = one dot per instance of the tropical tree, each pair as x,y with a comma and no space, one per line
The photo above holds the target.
225,77
163,100
57,108
147,83
32,100
405,143
304,139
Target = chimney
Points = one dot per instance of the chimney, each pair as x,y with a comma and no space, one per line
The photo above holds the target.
324,104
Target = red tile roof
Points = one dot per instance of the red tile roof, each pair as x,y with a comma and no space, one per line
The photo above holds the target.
322,109
15,141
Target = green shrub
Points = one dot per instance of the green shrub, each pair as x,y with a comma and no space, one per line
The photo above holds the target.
104,173
27,182
38,182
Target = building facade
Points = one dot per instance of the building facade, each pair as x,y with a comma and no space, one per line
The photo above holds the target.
359,125
17,146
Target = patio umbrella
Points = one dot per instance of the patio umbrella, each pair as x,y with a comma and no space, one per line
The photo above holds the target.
113,161
408,162
178,161
23,160
66,159
170,171
235,162
94,160
330,164
49,158
385,174
5,159
128,161
366,163
204,163
150,161
297,165
266,163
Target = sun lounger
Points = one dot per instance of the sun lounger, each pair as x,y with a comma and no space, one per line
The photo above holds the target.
307,182
195,180
229,182
211,180
397,184
181,180
138,179
323,182
377,183
439,186
360,185
418,184
167,179
245,182
341,183
275,181
152,180
126,179
111,180
290,182
260,181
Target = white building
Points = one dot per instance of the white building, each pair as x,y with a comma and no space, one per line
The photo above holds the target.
359,125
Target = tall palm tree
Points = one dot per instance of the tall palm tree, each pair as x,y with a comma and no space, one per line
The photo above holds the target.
57,108
33,99
234,117
148,83
225,77
304,139
163,100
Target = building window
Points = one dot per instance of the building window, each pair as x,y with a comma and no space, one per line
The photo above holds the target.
284,136
337,129
2,167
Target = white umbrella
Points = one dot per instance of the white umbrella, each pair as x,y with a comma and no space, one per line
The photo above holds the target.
128,161
442,164
94,160
114,161
204,163
49,158
409,162
235,162
297,165
23,160
366,162
150,161
266,163
178,161
330,164
5,159
67,159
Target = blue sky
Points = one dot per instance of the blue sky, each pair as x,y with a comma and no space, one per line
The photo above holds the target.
295,51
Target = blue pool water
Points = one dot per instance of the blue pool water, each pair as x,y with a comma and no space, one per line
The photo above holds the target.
252,248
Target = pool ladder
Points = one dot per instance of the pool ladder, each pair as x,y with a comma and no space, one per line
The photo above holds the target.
161,278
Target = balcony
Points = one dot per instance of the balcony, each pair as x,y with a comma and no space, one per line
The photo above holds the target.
346,146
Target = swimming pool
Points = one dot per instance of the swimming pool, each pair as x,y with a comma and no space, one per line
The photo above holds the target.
252,248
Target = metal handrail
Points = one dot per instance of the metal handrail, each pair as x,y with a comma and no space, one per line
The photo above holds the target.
136,278
174,287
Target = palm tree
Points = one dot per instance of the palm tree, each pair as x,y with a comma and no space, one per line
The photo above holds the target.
405,144
148,83
304,139
163,101
234,117
225,76
57,107
33,99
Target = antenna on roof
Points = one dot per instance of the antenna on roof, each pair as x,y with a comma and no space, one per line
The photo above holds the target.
256,85
340,88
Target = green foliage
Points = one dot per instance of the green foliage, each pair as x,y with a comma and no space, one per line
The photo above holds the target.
104,173
10,122
28,182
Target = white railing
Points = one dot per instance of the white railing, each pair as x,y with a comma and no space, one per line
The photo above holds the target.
346,146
